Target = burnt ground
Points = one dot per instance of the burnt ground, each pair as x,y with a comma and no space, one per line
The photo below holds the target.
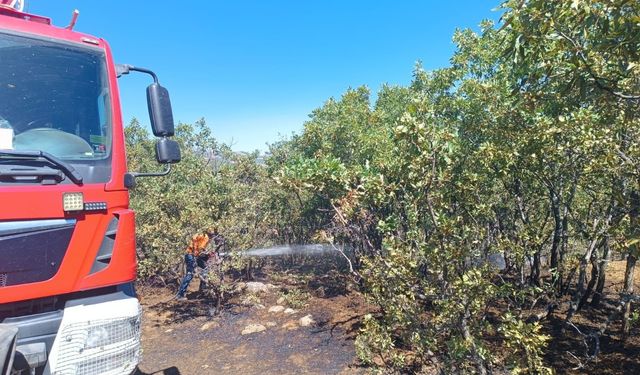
183,337
567,352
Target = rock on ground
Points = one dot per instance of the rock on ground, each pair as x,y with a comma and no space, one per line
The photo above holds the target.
250,301
306,321
257,287
209,325
290,311
276,309
253,328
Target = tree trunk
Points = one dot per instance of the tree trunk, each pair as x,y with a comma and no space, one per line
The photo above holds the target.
631,261
507,262
573,308
628,290
564,244
535,269
595,272
564,235
597,296
557,236
481,368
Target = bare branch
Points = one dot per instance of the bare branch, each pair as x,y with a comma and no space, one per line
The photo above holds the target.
341,252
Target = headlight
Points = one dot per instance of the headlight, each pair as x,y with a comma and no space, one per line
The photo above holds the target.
111,333
107,344
97,336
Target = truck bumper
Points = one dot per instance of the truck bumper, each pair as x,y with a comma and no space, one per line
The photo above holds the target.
94,335
8,336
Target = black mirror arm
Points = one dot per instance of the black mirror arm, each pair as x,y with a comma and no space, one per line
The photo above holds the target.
130,178
152,174
122,69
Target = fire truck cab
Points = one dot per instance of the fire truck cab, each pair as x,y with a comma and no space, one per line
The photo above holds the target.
67,238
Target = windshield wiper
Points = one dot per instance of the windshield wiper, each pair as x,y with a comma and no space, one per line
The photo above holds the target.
22,173
68,170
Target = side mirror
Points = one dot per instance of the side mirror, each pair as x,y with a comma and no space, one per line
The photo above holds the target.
167,151
160,112
159,105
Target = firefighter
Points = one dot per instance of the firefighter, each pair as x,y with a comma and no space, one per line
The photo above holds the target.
197,255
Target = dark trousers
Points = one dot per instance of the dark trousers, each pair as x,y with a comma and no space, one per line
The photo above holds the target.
191,262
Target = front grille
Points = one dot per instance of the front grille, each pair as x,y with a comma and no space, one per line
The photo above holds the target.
109,346
3,279
32,250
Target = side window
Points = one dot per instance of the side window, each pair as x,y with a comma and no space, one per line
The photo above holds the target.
99,141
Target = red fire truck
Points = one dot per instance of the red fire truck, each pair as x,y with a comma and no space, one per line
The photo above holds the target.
67,239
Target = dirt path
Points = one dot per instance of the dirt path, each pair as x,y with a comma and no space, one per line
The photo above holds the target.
180,338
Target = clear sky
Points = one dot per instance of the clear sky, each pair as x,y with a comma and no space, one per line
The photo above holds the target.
256,69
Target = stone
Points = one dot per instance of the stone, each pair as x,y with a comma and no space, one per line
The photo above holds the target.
289,310
280,301
270,324
253,328
250,300
306,321
209,325
256,287
276,309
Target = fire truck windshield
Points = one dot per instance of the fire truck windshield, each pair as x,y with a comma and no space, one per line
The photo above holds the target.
55,98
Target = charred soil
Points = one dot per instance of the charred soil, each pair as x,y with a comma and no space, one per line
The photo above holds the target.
183,337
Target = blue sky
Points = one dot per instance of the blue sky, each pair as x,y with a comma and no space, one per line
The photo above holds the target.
256,69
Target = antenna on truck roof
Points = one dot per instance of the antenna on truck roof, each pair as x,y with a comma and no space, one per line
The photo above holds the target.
74,18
